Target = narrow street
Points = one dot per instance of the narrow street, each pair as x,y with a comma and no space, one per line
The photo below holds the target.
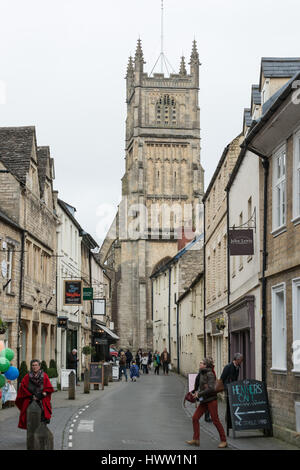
143,415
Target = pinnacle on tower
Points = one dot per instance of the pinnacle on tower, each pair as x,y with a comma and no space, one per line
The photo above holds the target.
139,56
195,55
130,68
182,70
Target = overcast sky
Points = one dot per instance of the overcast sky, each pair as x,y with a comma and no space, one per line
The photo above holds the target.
62,69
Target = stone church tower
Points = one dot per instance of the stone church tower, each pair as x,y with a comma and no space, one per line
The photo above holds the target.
162,170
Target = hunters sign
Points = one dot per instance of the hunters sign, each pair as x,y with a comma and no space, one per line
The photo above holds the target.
241,242
73,293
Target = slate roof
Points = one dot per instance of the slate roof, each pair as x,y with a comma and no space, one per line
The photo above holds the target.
255,95
16,145
8,220
280,66
247,117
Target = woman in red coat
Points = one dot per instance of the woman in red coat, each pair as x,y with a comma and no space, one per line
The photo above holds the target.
35,386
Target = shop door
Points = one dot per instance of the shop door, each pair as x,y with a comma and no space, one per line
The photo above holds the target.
71,343
241,344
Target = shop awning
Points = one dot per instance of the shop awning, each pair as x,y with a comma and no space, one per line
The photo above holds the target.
107,330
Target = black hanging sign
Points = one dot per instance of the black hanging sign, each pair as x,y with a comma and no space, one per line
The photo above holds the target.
73,293
249,405
241,242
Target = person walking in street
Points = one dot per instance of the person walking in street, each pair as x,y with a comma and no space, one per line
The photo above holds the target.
207,397
145,363
134,371
138,358
156,362
165,361
73,361
122,366
231,374
129,358
150,360
34,386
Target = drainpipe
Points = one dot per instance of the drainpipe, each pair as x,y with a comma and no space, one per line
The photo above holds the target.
178,350
204,282
265,164
20,301
169,313
228,270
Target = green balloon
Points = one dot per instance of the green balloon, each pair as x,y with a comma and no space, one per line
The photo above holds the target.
2,380
8,353
4,364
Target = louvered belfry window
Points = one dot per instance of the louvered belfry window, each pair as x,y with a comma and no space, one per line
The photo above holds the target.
166,111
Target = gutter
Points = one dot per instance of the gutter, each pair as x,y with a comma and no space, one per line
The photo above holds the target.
20,302
265,164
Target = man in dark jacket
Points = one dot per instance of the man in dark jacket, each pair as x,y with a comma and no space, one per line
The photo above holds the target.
129,358
230,374
73,360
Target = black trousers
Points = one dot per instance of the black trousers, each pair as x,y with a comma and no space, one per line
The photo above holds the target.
166,367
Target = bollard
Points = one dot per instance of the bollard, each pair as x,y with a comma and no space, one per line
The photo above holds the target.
33,416
86,381
105,372
72,385
43,438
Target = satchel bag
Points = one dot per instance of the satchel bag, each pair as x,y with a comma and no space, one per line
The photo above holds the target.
219,387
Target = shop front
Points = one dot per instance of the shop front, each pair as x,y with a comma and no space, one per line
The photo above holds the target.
103,337
242,334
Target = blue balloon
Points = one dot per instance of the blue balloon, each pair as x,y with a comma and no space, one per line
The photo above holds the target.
12,373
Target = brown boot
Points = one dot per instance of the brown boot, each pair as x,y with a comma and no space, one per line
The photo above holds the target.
222,444
193,443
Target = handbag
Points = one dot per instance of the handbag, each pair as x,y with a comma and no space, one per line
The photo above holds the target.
219,387
189,397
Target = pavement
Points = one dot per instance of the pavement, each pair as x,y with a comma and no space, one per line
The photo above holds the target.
244,440
65,411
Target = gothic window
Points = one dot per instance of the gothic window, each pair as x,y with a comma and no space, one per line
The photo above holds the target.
166,111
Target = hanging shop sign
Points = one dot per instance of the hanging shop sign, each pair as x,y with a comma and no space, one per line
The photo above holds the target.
73,292
241,242
99,307
62,322
249,405
88,293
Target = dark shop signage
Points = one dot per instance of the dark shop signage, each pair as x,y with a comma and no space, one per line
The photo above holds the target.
88,293
249,405
241,242
96,373
62,322
73,293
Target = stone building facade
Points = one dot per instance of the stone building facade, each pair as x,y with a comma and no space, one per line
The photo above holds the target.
169,282
215,246
276,141
26,197
10,270
162,168
191,326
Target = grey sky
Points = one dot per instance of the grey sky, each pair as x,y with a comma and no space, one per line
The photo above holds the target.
63,65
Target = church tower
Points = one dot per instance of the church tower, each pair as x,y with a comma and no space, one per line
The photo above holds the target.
162,170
